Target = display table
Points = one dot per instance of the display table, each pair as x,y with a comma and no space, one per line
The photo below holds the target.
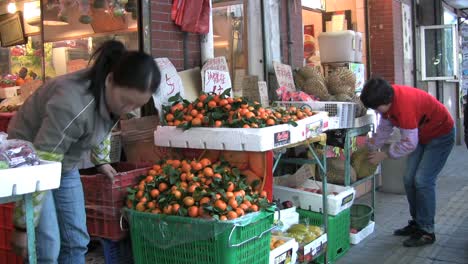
20,184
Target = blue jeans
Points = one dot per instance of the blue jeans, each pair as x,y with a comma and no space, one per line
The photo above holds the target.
62,236
423,166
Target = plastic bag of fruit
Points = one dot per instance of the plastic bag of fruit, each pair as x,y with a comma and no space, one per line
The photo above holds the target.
15,153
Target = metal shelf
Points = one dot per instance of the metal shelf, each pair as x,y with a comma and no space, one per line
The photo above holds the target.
322,164
351,133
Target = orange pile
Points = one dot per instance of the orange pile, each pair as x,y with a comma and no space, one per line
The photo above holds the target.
211,110
196,189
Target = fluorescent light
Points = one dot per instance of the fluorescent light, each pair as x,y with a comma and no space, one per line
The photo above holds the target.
11,8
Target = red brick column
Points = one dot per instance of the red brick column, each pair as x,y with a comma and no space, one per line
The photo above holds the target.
167,38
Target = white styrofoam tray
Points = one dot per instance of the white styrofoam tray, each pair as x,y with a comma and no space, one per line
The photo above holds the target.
17,181
286,253
242,139
313,201
361,235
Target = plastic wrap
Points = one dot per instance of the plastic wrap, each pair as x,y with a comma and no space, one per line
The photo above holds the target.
15,153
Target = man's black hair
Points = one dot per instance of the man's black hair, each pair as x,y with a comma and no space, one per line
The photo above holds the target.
376,92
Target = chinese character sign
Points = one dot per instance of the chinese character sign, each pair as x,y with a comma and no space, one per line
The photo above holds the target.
284,76
216,81
171,84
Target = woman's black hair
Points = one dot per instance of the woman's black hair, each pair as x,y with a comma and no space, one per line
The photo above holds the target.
130,69
376,92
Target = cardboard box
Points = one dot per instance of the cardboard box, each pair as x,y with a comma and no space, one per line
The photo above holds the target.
137,137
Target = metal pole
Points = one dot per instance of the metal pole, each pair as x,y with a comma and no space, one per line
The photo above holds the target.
41,26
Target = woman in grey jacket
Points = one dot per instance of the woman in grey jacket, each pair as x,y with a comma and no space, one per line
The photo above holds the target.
65,118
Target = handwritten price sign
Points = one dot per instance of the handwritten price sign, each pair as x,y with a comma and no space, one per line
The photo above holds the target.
215,76
284,76
171,84
216,81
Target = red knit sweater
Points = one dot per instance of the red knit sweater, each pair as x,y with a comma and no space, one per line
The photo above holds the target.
413,108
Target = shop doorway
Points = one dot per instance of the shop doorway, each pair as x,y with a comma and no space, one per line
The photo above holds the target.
238,37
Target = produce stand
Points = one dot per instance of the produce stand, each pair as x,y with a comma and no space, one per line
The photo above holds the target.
350,133
21,183
308,132
321,162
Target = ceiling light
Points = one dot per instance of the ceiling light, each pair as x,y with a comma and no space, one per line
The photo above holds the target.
11,8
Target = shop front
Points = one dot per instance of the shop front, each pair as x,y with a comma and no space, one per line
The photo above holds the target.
59,40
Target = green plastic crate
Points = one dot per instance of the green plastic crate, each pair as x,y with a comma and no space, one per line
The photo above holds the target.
183,240
338,232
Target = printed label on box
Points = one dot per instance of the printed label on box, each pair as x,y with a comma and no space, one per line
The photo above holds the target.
282,138
313,129
347,199
284,258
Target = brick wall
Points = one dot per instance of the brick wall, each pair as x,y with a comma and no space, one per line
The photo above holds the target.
386,39
167,39
381,39
296,33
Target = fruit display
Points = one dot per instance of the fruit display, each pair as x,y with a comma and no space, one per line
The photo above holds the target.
304,234
276,242
312,81
211,110
197,189
338,86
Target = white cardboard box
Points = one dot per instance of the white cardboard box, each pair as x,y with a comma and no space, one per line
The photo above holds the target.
361,235
17,181
286,253
242,139
313,201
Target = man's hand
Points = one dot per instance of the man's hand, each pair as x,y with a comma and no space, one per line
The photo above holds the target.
107,170
377,156
19,243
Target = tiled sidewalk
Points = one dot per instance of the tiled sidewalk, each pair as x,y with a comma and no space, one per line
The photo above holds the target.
451,245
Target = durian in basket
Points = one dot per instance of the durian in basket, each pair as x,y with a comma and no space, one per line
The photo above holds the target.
312,81
341,81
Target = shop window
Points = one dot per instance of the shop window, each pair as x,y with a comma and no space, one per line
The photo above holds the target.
439,52
230,38
71,34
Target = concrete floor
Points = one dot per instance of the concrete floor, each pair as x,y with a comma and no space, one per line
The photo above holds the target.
382,247
451,244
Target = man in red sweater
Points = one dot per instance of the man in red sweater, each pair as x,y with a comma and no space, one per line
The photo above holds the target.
427,137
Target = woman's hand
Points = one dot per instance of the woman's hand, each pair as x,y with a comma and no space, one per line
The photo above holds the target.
19,243
107,170
377,156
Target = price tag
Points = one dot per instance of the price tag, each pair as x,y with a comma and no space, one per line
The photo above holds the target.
216,81
215,76
284,76
171,84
